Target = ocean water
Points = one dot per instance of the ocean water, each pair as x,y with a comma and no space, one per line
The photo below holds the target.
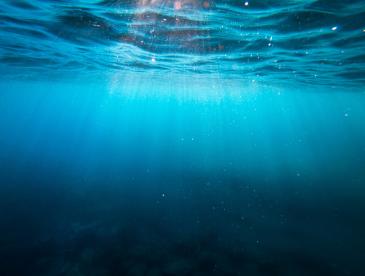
191,137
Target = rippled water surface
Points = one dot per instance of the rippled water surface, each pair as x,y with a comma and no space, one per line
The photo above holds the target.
182,137
309,41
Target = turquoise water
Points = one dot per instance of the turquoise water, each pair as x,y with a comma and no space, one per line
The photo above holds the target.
182,137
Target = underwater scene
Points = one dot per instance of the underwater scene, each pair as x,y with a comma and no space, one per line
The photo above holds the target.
182,137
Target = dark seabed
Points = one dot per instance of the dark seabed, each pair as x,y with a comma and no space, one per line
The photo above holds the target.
191,137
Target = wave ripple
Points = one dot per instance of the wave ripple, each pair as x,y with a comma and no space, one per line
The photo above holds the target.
310,41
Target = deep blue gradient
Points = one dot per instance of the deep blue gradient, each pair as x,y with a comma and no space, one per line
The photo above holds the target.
182,138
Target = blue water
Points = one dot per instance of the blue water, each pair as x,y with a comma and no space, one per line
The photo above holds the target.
192,137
